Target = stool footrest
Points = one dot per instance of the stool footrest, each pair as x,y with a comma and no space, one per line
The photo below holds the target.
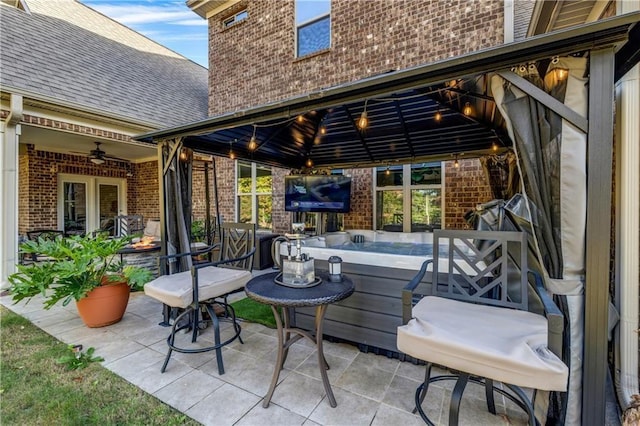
518,397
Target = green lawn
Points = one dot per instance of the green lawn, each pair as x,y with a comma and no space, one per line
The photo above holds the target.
35,390
250,310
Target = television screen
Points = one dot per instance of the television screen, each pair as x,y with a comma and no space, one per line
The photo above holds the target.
317,193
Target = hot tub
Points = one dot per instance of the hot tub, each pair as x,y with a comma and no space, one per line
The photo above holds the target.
380,268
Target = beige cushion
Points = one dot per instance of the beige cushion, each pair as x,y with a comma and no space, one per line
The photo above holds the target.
177,290
152,229
502,344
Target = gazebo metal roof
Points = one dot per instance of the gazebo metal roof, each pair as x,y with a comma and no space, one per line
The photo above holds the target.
401,107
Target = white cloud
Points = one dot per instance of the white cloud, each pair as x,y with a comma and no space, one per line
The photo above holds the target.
168,22
191,22
136,14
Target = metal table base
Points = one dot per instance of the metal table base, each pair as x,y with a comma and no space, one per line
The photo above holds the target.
285,340
265,290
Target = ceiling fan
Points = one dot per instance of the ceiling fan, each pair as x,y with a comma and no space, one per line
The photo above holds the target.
98,156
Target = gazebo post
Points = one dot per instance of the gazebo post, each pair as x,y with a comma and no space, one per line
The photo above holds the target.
598,234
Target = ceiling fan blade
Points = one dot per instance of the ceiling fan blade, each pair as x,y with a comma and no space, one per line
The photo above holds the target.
111,157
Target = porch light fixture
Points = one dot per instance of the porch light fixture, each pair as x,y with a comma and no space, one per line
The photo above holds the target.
253,144
97,161
467,109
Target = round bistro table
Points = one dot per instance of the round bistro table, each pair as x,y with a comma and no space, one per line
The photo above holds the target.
263,289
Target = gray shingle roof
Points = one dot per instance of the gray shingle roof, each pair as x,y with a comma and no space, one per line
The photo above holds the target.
67,51
523,11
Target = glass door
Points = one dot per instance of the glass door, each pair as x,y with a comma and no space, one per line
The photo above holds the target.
75,208
88,203
108,206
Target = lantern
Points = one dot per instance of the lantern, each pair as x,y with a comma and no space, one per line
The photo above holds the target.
335,269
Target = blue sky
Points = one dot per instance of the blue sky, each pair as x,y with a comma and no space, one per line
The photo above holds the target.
168,22
172,24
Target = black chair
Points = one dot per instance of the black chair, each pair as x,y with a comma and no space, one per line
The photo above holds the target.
43,234
470,314
206,287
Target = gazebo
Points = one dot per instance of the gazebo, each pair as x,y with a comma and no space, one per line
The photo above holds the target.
549,98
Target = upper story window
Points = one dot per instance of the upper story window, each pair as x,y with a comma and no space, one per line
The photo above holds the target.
313,26
232,20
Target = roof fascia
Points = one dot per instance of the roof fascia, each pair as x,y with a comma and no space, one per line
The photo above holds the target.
589,36
543,17
208,8
73,108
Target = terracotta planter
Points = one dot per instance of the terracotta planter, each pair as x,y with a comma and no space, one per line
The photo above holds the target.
104,305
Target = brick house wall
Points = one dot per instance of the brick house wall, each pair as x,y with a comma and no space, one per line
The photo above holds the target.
24,213
38,185
253,63
361,214
466,186
142,191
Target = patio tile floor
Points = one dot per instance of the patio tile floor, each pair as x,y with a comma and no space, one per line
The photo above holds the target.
370,389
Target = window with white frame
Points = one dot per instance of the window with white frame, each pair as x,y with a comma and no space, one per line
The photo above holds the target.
409,197
313,26
254,194
232,20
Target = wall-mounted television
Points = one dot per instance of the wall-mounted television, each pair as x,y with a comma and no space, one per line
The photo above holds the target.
317,193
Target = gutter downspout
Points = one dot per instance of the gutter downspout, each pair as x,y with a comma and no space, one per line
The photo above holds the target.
509,18
10,131
628,228
627,280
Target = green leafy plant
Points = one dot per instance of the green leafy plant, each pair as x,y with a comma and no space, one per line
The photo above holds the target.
75,359
199,230
77,265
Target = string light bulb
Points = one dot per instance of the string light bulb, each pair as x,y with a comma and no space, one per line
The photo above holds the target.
253,143
232,155
309,162
387,172
456,163
323,130
437,116
300,118
494,146
467,109
363,121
